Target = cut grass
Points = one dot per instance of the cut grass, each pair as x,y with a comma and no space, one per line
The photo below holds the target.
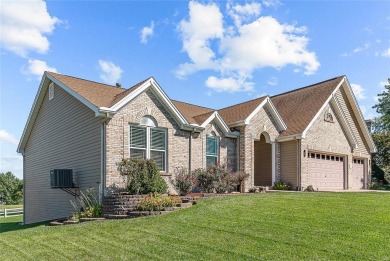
280,226
10,206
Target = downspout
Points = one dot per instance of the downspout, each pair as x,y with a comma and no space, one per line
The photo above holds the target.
24,188
190,152
299,165
102,185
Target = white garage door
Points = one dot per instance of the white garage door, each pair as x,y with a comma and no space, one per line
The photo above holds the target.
326,172
358,174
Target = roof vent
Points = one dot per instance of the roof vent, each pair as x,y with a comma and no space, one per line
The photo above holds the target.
119,85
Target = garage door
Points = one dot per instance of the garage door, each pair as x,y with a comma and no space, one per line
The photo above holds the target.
358,174
326,172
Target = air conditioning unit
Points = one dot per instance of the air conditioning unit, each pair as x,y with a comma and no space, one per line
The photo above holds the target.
61,178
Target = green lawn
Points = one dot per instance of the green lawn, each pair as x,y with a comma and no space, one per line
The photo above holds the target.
274,226
10,206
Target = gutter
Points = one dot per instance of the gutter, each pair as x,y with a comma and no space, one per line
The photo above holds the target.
291,137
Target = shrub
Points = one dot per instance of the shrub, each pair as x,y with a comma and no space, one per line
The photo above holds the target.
204,180
143,176
309,189
239,178
279,185
216,178
87,205
157,203
183,181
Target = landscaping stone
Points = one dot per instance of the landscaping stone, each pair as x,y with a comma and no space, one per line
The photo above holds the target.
91,219
70,222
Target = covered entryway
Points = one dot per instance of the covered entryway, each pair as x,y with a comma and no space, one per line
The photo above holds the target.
262,162
326,171
358,174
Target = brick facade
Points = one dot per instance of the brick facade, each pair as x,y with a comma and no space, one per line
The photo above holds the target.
329,137
178,141
262,122
188,149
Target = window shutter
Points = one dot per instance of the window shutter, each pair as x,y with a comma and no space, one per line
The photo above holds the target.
157,139
137,137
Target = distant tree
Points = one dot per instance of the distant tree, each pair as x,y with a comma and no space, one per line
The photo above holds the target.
381,137
11,189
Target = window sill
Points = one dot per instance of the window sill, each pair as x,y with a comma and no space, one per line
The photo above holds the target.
165,174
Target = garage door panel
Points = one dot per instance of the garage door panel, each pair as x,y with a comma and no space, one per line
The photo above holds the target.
326,172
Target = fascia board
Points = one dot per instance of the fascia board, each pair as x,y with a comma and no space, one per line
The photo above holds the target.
360,118
155,87
255,111
344,122
322,108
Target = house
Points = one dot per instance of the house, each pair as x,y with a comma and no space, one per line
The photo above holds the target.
315,135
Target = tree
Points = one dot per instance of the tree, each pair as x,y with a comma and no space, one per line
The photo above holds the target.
11,189
381,137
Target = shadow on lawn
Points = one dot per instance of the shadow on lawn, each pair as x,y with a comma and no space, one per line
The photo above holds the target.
14,223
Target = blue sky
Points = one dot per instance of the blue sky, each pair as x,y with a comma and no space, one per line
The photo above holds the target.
210,53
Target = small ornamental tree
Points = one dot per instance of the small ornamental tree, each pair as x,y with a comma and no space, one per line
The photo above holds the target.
143,176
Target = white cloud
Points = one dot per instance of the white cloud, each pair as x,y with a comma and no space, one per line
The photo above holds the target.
204,24
147,32
240,13
236,51
363,48
272,81
386,53
37,68
110,73
358,90
8,138
24,26
229,84
269,3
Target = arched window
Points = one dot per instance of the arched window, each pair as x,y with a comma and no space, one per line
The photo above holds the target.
148,141
148,121
212,146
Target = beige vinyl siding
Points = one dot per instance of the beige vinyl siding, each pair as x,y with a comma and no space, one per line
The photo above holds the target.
346,107
66,134
288,162
263,163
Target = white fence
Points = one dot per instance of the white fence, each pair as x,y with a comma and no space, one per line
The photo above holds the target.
11,212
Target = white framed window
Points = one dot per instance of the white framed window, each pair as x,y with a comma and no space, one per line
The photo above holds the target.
149,142
211,150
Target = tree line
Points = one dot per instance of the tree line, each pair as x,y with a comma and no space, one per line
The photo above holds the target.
11,189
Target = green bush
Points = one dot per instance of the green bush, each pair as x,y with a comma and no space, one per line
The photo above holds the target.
279,185
157,203
87,205
217,178
183,181
143,176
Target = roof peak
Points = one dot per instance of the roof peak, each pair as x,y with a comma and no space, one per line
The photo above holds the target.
252,100
82,79
308,86
193,104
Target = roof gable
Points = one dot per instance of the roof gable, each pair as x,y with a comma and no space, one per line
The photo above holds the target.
298,108
193,113
98,94
239,112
